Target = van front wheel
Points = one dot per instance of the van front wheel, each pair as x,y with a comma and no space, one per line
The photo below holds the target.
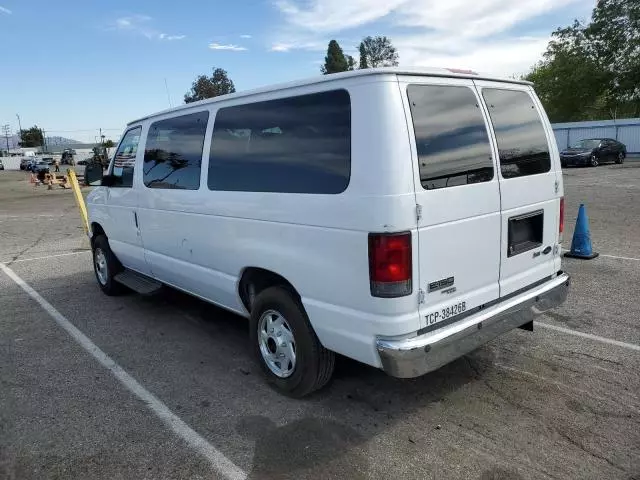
286,347
106,266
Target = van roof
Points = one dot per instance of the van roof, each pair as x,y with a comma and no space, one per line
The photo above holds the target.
431,72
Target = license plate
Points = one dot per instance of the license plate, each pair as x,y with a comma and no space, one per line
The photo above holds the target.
445,312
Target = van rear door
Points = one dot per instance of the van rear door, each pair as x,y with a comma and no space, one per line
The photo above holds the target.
530,189
457,195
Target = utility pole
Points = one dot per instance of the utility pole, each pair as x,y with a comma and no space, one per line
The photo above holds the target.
6,130
19,127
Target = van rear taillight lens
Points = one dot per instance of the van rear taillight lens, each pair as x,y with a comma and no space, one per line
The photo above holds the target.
561,225
390,264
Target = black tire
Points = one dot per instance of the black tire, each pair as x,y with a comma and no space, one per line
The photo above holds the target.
620,158
314,363
113,266
594,161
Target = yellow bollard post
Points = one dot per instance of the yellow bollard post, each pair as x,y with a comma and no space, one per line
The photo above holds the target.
75,186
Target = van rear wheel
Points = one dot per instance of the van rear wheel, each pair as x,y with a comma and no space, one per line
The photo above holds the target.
285,345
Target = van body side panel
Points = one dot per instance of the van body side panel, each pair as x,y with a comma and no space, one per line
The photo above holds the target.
459,230
557,167
201,241
115,208
518,124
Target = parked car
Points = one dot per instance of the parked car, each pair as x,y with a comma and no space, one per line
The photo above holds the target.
1,165
593,152
41,166
398,217
24,163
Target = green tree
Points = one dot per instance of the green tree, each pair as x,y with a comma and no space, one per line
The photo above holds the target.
351,62
614,39
335,61
363,56
377,52
32,137
109,144
208,87
591,71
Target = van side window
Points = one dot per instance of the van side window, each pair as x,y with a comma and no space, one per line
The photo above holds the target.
125,158
522,144
294,145
173,152
451,136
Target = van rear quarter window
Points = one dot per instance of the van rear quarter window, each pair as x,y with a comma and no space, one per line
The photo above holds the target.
522,143
451,136
173,153
298,144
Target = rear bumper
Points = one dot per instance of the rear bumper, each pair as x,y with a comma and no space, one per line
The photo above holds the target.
415,356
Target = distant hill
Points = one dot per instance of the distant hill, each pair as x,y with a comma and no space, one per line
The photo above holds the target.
51,141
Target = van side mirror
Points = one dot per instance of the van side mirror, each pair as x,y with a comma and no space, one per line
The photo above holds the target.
93,174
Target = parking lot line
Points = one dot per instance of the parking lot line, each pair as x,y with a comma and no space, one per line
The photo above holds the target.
617,257
621,258
597,338
49,256
218,461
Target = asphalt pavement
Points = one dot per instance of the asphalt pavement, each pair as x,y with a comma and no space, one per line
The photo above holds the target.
98,387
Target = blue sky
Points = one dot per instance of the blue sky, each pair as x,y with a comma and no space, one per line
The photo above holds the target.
74,67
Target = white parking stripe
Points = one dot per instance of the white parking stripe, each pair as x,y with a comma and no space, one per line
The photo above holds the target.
597,338
49,256
218,461
613,256
620,258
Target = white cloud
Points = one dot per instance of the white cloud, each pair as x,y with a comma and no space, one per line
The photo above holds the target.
281,47
245,36
5,10
141,25
164,36
230,47
335,15
455,33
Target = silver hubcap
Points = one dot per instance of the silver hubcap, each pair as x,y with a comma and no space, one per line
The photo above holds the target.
594,161
277,345
100,261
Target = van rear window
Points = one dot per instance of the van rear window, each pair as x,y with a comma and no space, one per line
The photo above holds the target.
451,136
522,143
297,144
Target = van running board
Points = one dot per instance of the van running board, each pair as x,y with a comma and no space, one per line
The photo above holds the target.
138,283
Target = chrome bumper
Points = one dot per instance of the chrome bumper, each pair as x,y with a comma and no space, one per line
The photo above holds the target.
415,356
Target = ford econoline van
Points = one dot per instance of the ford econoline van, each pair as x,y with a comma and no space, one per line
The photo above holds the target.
399,217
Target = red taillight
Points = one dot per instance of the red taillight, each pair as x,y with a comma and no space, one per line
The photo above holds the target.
390,264
561,226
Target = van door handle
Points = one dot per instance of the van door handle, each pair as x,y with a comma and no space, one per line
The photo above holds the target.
135,217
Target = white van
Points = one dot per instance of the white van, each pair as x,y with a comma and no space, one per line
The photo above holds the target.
398,217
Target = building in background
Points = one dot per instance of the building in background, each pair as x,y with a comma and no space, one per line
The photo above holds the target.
625,130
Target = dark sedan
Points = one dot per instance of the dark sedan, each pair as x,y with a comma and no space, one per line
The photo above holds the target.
593,151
